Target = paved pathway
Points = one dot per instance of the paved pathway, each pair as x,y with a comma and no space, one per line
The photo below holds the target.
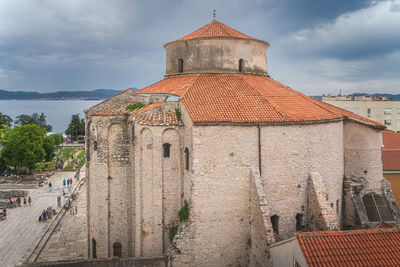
69,240
22,229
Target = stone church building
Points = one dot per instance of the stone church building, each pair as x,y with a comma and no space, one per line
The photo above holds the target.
253,160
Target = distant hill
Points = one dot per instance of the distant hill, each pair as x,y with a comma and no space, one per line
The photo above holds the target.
59,95
389,96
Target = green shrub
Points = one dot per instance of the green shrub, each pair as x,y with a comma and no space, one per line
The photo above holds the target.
184,213
172,233
178,113
136,106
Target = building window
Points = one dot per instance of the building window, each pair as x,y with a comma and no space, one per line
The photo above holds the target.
241,65
388,122
95,145
387,111
369,113
356,110
377,208
117,250
398,122
167,150
337,206
94,253
299,222
180,65
275,224
186,159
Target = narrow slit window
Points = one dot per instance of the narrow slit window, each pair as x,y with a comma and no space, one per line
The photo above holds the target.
275,224
95,145
180,65
167,150
299,222
117,249
241,65
94,252
186,159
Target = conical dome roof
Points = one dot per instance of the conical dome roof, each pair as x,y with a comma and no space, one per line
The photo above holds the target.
213,30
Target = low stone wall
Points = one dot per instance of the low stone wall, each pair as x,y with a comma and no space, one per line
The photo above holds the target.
18,186
114,262
13,193
320,210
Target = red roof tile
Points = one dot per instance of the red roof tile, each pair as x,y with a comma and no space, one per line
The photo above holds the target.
391,151
216,29
121,110
239,98
163,118
391,140
369,247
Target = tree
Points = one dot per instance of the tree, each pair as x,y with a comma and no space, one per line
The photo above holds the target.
22,146
76,127
58,138
35,118
49,145
5,120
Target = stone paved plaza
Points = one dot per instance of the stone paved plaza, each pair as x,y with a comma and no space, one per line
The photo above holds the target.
22,229
69,240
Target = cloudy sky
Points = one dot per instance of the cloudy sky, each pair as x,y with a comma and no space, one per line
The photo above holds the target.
317,46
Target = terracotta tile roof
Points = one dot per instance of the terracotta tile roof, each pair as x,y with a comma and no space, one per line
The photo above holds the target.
240,98
391,151
121,110
391,160
216,29
391,140
369,247
163,118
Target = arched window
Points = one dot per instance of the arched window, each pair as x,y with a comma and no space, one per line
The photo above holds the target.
94,253
180,65
186,159
299,222
377,208
167,150
275,224
241,65
117,249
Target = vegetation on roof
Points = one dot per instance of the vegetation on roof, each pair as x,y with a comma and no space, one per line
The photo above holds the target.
134,107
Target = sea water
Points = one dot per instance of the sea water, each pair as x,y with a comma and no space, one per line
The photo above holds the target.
58,112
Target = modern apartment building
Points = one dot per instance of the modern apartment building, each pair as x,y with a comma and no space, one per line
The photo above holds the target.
379,109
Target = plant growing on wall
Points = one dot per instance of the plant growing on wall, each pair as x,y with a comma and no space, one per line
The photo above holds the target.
178,113
184,213
133,107
172,233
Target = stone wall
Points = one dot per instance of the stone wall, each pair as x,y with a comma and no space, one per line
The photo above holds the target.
219,210
261,228
289,154
362,154
221,55
320,214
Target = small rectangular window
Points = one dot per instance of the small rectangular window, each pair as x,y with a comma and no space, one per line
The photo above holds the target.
388,122
398,122
369,113
387,111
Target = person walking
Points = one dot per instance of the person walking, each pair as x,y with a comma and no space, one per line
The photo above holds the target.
68,182
24,201
50,186
64,182
29,200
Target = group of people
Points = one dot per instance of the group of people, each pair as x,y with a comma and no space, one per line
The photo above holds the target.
29,200
44,216
67,182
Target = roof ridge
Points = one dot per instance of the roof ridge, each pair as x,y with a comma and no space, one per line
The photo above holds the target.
283,117
196,76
